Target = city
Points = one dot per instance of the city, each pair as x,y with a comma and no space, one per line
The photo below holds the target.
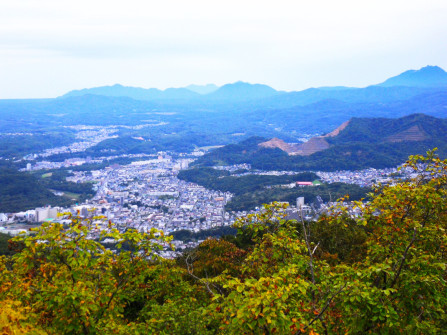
147,194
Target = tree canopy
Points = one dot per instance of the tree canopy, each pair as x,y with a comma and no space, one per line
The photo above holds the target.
376,267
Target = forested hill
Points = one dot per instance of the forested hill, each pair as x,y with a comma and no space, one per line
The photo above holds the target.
251,191
21,191
413,128
361,143
222,181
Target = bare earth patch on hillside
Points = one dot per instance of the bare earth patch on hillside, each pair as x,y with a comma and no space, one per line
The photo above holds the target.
414,133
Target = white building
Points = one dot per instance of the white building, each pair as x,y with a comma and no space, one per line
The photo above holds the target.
42,214
52,212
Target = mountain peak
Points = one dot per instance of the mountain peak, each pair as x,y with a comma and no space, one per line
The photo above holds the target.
432,69
428,76
243,91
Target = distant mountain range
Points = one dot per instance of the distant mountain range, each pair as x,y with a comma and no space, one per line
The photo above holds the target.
238,91
356,144
403,86
137,93
180,119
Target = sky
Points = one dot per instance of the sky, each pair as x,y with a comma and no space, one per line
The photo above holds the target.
49,47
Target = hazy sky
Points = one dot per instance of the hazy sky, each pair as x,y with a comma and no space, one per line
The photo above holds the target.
48,47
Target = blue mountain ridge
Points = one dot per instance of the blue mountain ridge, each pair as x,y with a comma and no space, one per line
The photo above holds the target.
404,86
428,76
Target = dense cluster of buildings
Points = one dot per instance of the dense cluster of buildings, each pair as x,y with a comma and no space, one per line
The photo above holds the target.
147,194
364,178
143,195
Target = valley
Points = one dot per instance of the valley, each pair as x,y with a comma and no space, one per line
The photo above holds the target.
160,158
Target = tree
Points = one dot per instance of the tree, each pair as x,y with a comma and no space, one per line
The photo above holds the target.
402,282
71,282
399,287
377,267
14,319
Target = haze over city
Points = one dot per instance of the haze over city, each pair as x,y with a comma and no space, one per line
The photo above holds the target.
50,47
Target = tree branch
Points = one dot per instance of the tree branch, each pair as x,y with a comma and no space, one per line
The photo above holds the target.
320,315
403,258
190,269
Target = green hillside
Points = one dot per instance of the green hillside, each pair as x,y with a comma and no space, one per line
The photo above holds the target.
222,181
364,143
23,190
253,191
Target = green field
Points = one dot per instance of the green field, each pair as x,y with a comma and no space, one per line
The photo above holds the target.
71,195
